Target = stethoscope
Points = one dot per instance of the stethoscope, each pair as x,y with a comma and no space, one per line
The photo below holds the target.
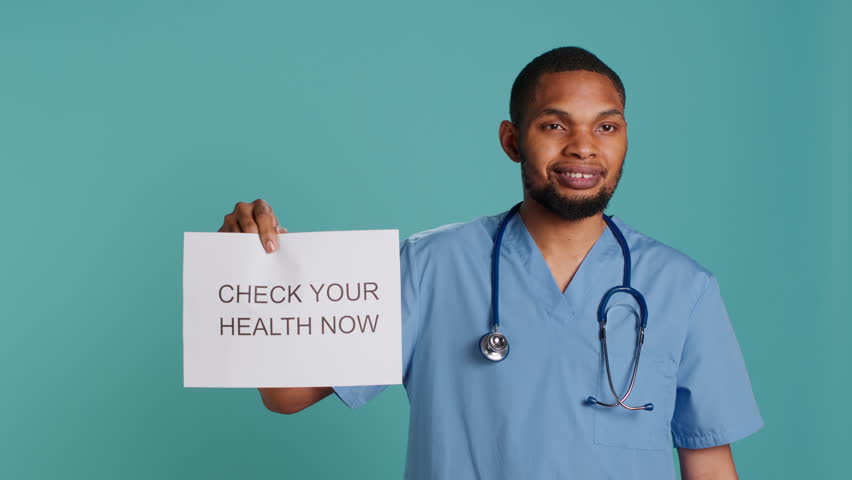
495,347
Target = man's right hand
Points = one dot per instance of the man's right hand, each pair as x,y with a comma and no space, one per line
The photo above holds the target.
255,217
258,217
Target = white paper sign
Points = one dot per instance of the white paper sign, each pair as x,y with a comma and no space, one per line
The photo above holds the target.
323,310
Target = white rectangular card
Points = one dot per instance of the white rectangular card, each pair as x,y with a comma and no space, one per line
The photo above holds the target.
323,310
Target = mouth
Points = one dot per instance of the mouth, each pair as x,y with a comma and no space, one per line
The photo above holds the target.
578,177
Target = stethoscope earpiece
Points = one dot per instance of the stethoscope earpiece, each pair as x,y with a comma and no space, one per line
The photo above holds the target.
494,346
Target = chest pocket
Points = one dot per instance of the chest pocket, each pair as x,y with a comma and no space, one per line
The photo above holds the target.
640,429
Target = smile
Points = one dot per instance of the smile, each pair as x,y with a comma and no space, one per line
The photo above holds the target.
579,177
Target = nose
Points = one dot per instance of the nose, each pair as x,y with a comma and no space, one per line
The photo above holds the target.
581,146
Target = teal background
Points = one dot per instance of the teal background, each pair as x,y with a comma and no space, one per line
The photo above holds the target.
124,124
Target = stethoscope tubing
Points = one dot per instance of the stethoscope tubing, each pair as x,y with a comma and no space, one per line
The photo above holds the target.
495,269
495,347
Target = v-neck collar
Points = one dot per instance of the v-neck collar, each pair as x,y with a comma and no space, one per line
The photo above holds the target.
518,240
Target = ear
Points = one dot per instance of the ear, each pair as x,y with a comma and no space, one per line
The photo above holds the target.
510,140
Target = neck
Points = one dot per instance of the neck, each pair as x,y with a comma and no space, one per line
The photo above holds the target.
557,238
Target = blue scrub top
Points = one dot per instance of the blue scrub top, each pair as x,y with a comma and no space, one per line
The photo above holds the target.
527,416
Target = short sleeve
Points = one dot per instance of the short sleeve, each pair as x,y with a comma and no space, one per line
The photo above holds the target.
715,404
356,396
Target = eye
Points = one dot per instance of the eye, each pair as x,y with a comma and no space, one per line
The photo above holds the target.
552,126
608,127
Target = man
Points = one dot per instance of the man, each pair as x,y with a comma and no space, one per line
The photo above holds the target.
539,413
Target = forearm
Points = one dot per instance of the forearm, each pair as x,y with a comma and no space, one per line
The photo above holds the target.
714,463
292,400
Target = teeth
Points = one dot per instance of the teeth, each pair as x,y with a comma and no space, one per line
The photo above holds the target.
580,175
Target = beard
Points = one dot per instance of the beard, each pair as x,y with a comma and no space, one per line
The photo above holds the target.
567,208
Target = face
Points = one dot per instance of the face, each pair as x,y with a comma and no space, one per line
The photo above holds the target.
571,143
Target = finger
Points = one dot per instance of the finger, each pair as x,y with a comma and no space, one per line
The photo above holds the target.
281,229
229,223
266,223
244,213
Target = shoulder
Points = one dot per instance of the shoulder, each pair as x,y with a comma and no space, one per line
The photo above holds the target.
659,261
460,234
446,249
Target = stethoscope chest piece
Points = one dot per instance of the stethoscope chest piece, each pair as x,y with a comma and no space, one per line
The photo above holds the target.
494,346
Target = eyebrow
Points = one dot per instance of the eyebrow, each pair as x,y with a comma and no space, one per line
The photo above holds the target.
563,113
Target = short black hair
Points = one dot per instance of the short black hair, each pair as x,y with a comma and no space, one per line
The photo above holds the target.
562,59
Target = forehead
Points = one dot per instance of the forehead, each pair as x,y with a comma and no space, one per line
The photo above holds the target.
579,89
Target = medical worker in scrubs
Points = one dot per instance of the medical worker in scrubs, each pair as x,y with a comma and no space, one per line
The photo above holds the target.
538,413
